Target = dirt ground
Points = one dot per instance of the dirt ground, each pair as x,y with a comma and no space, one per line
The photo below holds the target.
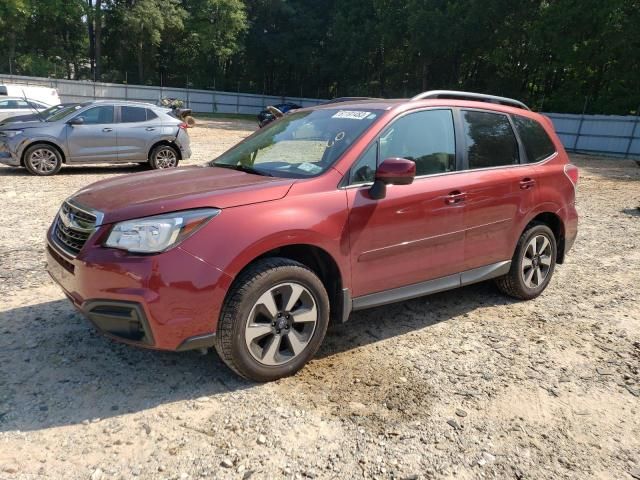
462,384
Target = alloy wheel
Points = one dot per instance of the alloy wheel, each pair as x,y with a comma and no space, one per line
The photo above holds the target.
281,324
43,160
536,262
166,158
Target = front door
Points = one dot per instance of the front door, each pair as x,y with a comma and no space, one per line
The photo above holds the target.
415,233
95,140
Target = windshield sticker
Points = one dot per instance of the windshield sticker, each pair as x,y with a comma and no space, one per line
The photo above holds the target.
309,167
351,114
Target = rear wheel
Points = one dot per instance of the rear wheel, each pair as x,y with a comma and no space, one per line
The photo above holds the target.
42,160
163,156
532,265
273,321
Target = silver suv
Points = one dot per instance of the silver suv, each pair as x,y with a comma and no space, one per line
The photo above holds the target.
96,132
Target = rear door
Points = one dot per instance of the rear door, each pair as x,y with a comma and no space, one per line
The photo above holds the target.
497,185
94,140
138,129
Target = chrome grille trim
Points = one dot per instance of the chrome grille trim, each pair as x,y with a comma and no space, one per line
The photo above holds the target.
73,226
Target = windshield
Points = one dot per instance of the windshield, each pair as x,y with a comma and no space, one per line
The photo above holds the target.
63,113
51,110
300,145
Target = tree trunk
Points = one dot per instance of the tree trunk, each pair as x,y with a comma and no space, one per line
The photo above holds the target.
92,38
140,64
425,73
98,39
12,51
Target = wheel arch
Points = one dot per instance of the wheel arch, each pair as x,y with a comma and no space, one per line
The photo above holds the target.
319,261
555,223
58,148
166,142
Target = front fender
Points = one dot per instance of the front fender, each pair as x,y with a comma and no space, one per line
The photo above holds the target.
33,139
239,235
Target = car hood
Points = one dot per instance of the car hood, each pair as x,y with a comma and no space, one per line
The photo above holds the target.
152,193
18,119
20,125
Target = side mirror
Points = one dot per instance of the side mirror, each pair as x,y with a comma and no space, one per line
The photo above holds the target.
392,171
76,121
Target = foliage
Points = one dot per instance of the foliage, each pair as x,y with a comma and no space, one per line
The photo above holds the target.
561,55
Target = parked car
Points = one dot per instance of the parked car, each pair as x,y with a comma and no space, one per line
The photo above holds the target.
47,95
96,132
268,115
12,106
331,209
41,115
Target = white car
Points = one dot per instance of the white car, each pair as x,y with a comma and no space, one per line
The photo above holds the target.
46,95
12,106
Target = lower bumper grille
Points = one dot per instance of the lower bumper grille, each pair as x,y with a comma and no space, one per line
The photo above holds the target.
123,320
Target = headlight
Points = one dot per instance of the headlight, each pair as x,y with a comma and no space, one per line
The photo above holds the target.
10,133
158,233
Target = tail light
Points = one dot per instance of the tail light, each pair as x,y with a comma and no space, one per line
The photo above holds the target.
183,126
572,173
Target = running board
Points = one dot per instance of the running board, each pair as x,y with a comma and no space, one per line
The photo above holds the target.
432,286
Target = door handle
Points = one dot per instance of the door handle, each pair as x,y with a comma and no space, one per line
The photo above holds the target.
527,183
150,129
107,129
455,197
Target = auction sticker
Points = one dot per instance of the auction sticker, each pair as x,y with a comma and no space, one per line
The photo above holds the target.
351,114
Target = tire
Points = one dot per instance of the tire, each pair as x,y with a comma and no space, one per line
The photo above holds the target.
522,281
42,159
164,156
257,331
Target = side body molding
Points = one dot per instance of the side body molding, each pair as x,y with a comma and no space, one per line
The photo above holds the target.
431,286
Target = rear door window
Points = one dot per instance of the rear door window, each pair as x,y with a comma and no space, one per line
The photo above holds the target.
537,143
490,141
133,114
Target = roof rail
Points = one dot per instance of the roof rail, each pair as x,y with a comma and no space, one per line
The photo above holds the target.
476,97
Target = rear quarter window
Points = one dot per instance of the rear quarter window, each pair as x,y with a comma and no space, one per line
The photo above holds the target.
537,143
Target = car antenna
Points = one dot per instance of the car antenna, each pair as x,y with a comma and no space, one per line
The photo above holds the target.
24,95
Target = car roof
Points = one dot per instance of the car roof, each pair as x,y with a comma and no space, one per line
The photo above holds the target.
4,97
123,102
439,98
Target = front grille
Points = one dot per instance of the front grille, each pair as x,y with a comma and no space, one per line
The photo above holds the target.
72,228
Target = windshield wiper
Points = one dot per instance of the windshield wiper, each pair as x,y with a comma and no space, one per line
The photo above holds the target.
243,168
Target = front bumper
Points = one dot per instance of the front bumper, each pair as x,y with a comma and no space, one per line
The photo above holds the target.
169,301
8,155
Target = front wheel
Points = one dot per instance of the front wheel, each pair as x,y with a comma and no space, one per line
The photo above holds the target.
273,321
532,265
42,160
163,156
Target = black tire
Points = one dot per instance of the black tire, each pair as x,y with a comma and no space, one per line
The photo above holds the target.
262,278
42,159
164,156
515,282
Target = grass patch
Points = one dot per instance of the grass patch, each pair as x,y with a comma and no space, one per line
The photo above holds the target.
228,116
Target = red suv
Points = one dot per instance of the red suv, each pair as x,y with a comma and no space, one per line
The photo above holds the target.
328,210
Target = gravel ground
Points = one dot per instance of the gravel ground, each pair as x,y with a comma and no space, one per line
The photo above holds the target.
462,384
